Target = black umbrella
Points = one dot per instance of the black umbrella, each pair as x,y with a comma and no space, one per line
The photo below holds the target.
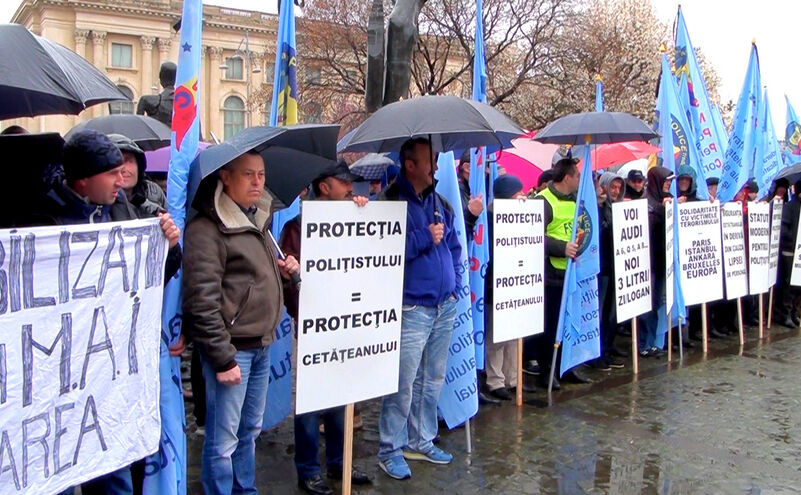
147,132
791,173
293,157
41,77
372,166
450,122
595,128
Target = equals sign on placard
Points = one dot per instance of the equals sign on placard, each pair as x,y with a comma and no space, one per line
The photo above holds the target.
520,263
355,297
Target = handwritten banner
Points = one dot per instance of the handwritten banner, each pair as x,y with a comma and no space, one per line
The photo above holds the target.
349,321
80,319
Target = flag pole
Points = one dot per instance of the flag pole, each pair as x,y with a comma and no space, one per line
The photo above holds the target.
681,339
347,451
770,308
670,336
553,367
761,322
740,321
704,329
635,348
469,446
519,388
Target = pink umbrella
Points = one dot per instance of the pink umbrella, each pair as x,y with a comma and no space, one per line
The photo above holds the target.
521,168
159,160
526,159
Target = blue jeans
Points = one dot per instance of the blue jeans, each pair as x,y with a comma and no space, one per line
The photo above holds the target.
307,441
409,417
233,421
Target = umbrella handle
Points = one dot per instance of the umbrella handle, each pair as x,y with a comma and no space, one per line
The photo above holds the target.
295,277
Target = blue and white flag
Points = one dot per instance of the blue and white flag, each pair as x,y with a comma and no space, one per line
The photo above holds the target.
284,111
768,161
579,319
599,94
479,250
792,136
720,126
738,162
458,400
165,471
710,142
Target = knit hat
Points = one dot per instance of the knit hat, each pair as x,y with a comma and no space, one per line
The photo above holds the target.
88,153
506,186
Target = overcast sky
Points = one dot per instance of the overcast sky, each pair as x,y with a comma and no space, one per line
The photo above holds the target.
723,29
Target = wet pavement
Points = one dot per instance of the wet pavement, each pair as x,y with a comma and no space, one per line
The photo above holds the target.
728,422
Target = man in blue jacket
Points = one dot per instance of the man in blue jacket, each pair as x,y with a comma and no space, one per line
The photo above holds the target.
408,423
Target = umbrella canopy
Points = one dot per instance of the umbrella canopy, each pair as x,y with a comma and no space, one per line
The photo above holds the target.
597,127
293,157
610,154
526,171
792,173
372,166
452,123
147,132
41,77
640,164
538,154
159,160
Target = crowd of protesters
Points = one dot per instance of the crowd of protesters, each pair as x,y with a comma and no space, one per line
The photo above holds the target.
235,287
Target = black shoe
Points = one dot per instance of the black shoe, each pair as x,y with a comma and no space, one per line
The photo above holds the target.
315,485
600,364
531,368
615,362
573,376
501,393
484,398
717,334
526,388
356,477
542,381
687,344
618,353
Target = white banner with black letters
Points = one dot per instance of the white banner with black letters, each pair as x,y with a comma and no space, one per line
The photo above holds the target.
632,258
349,321
700,252
518,259
758,247
775,240
734,260
80,330
795,275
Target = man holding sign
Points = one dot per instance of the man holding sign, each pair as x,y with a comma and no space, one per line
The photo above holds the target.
408,421
334,185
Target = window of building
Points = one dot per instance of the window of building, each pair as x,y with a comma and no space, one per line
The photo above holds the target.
233,116
121,55
115,107
234,68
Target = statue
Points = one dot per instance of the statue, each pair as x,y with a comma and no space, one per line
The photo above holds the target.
160,106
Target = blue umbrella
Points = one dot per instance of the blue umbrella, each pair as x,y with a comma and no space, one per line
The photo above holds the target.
41,77
293,156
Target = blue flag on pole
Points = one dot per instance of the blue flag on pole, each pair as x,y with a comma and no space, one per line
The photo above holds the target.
458,400
792,136
665,125
720,126
579,321
479,251
710,142
738,162
768,161
165,471
283,111
599,94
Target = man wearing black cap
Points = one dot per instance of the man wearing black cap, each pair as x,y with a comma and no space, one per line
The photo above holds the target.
635,185
712,186
335,184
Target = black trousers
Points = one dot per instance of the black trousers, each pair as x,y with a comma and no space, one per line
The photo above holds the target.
540,347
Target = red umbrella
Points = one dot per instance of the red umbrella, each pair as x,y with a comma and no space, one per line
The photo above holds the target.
610,154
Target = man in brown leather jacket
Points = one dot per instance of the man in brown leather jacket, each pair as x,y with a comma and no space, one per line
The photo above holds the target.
232,304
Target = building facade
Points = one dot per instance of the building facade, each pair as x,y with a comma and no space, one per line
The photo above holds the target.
128,40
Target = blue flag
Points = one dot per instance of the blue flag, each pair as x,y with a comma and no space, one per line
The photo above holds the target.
665,125
283,111
165,471
685,152
479,250
768,161
720,126
599,94
738,162
579,321
458,400
792,136
710,142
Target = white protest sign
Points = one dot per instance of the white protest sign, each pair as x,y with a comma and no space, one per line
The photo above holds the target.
700,252
518,259
795,275
80,333
632,258
775,239
349,321
734,258
669,267
758,247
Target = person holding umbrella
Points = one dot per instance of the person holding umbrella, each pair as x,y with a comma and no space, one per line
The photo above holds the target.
408,423
232,303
